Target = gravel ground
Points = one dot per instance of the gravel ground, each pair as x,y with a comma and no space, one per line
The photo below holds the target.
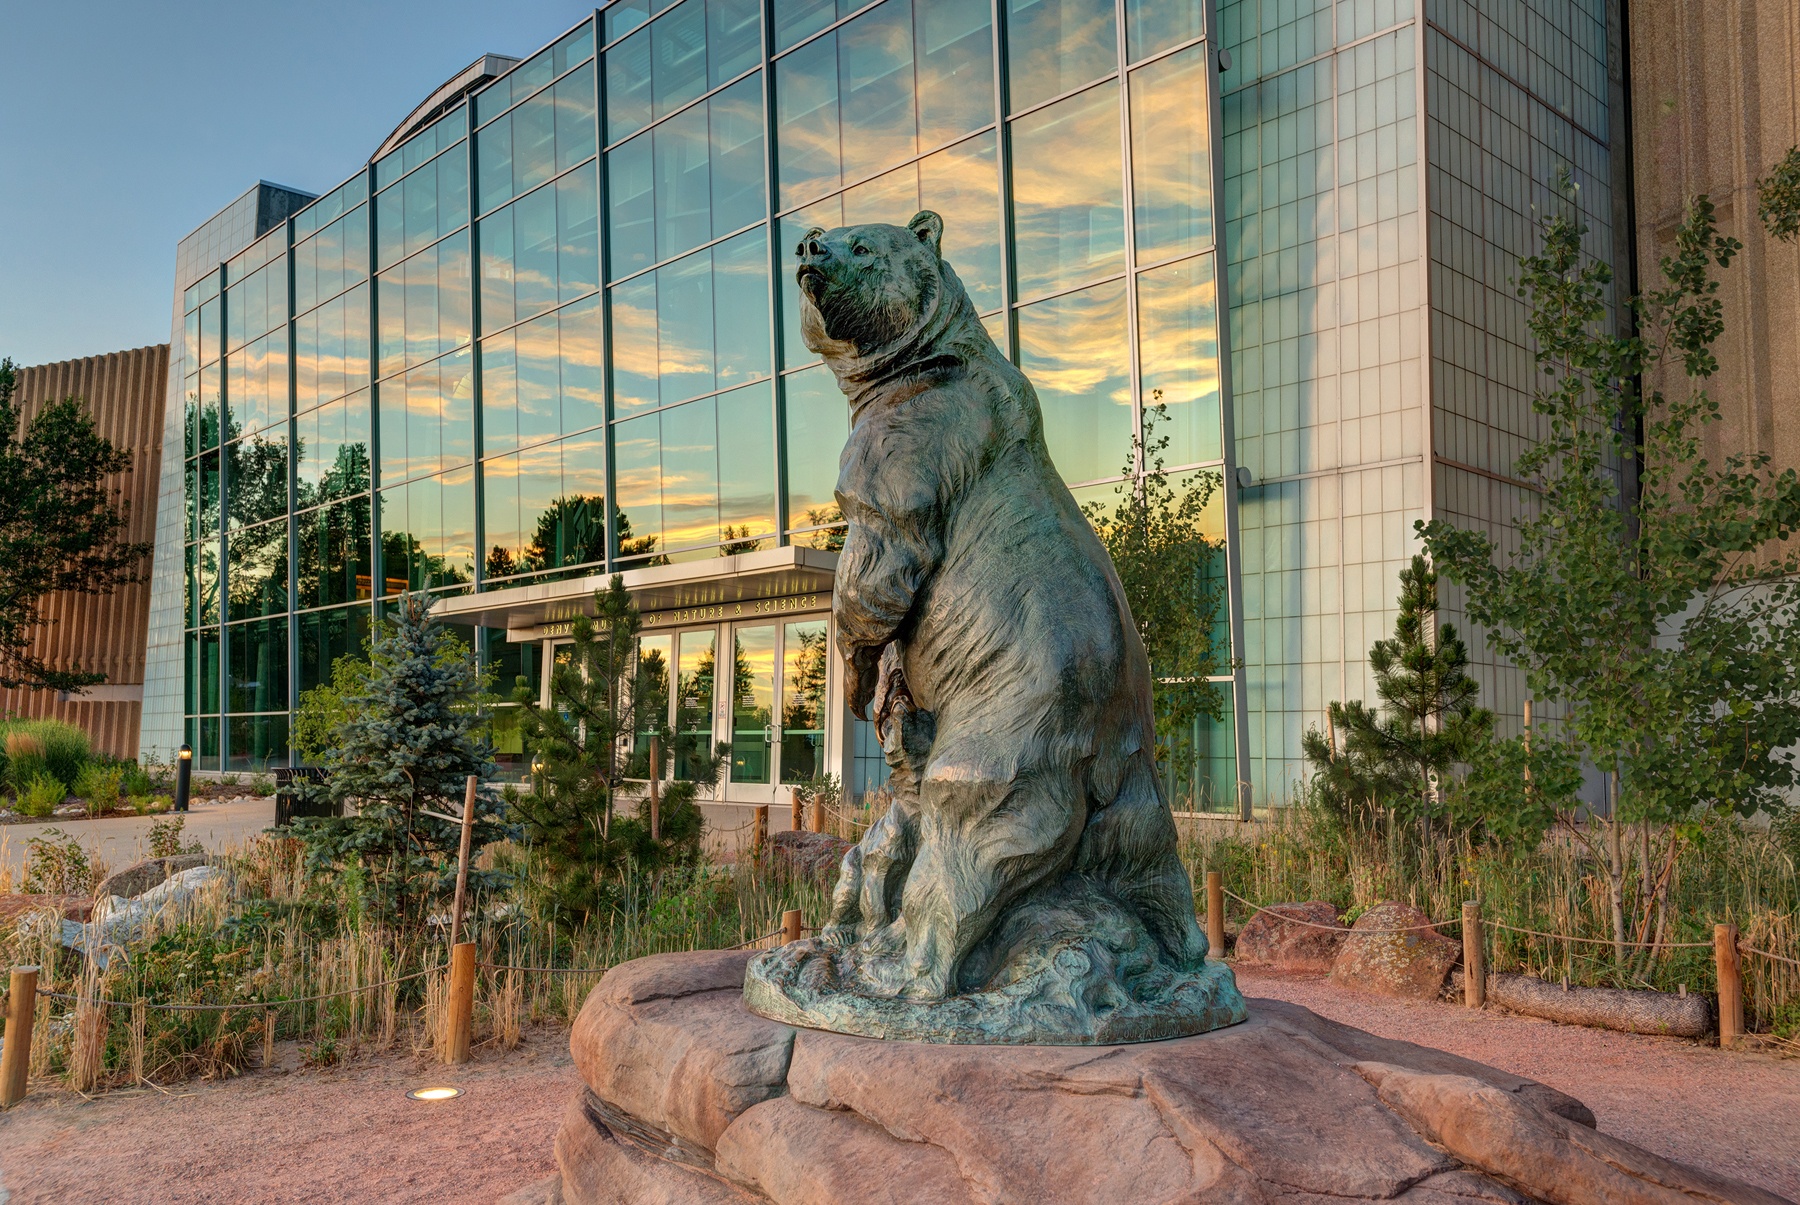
348,1134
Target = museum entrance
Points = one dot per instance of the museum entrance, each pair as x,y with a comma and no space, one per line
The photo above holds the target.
770,705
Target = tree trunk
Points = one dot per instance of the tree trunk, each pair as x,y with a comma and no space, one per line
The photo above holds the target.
1615,877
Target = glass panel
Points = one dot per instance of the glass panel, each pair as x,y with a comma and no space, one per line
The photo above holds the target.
1055,46
1068,211
203,670
547,134
326,636
424,305
655,657
1200,772
695,177
747,468
1178,350
1171,156
257,478
575,131
796,19
806,108
804,661
1075,350
693,701
637,476
257,670
692,326
331,345
678,51
331,452
427,419
258,742
258,559
955,66
545,508
203,582
629,78
333,558
1153,25
753,704
875,81
818,423
690,474
733,38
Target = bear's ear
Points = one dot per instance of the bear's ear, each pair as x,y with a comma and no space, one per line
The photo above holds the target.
929,227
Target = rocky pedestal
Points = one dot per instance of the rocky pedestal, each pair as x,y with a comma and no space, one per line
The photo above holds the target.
690,1098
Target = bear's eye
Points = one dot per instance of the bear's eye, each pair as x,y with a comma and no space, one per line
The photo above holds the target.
861,249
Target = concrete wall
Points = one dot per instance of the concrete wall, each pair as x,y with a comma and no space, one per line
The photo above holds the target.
1715,103
125,391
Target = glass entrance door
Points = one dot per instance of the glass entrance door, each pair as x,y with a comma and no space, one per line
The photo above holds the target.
753,705
804,660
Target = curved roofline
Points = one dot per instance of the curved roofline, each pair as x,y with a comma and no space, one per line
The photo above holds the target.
445,96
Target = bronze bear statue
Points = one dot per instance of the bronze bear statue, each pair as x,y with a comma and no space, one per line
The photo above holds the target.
1024,885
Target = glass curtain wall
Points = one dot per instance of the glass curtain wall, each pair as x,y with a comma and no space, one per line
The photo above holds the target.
555,332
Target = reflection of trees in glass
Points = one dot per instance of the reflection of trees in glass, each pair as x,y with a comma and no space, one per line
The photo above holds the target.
803,701
635,546
401,550
743,688
571,532
831,539
347,476
737,539
333,552
804,688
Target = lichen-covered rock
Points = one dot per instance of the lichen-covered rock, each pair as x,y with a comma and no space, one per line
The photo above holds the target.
1287,1107
1377,959
1268,940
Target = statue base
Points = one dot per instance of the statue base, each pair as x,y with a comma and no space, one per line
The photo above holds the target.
690,1099
1104,984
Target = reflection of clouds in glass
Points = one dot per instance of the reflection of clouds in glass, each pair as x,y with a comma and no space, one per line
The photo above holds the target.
1075,351
1179,355
1171,156
1068,208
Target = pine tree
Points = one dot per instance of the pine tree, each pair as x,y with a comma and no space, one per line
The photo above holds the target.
409,741
1368,761
592,742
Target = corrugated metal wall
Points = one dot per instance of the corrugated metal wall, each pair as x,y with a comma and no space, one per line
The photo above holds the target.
125,391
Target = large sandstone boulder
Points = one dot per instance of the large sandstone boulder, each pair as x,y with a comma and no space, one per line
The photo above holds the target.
1269,939
691,1099
67,907
140,877
1376,958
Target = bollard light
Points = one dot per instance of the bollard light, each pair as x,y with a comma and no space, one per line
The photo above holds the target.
184,777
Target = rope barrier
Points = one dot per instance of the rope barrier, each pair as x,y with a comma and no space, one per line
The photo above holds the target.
220,1008
1793,962
745,944
1294,920
495,966
1601,941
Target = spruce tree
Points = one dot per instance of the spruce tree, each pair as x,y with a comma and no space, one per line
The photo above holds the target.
593,745
1372,761
410,739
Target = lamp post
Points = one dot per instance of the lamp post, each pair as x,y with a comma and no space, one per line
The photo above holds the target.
537,773
184,777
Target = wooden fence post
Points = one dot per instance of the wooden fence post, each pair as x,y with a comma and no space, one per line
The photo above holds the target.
15,1061
462,861
790,926
1731,984
1474,957
462,1001
798,821
656,788
818,811
760,841
1215,914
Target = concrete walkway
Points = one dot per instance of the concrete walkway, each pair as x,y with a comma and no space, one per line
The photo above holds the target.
122,840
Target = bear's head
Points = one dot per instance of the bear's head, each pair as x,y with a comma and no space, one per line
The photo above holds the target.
873,292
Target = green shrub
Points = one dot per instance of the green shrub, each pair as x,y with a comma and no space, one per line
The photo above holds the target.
56,864
262,785
63,747
99,785
140,804
165,838
24,759
41,795
135,779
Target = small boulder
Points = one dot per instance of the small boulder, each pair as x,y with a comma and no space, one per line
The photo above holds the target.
140,877
1377,959
1269,940
812,854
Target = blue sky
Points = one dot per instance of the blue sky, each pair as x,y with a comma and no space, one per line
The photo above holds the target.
125,125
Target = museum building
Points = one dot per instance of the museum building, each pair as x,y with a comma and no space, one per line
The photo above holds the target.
549,332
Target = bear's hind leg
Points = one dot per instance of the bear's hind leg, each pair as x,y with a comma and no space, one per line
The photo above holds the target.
988,832
1130,846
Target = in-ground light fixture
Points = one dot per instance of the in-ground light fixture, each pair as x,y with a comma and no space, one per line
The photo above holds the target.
439,1093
